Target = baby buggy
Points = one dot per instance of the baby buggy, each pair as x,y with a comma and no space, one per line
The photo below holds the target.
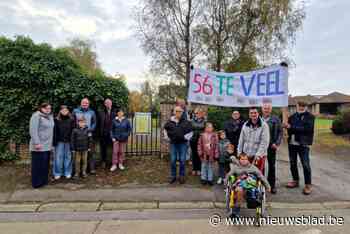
254,190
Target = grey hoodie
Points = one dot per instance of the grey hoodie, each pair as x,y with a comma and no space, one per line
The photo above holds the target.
41,131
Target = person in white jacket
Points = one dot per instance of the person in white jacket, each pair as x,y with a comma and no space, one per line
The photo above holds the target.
255,136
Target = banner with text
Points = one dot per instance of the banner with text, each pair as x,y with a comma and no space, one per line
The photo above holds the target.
241,89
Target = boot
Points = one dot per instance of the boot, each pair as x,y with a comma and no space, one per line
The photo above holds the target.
307,189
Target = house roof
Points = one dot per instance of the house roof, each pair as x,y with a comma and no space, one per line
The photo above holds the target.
334,97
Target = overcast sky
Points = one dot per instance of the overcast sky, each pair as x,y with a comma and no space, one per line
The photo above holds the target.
321,54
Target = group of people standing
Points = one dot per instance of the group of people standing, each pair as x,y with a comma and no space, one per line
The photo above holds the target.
257,137
72,137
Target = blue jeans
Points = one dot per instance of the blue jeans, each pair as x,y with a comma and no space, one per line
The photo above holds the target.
178,151
207,171
303,152
62,165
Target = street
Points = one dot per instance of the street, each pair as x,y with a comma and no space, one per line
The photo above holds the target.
158,221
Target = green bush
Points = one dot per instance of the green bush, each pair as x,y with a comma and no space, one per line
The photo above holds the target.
34,73
341,124
6,155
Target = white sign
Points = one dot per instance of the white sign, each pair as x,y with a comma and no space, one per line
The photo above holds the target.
242,89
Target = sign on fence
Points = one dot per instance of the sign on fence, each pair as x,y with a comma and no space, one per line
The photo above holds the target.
143,123
241,89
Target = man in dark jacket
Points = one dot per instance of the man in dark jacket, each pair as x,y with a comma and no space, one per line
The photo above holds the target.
233,129
275,128
179,131
300,136
105,118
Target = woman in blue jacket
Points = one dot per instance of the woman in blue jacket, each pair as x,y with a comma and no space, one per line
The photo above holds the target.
121,129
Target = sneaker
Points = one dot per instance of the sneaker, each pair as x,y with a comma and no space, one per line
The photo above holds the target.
93,172
76,177
203,182
68,177
307,189
84,175
219,181
292,184
113,168
57,177
210,183
121,167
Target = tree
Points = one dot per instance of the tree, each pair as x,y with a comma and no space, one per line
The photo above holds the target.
217,30
135,102
82,51
258,29
167,31
221,33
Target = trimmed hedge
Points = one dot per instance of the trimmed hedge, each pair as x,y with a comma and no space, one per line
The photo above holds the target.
34,73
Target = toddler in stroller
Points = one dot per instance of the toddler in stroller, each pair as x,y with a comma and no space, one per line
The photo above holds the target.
245,182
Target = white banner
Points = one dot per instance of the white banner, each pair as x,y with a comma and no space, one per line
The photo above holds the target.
241,89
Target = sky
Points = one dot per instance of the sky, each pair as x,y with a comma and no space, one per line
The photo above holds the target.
321,53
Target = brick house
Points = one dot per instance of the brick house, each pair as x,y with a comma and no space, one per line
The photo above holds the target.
329,104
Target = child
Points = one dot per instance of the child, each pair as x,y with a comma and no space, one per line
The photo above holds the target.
224,156
80,143
208,151
245,173
64,124
121,129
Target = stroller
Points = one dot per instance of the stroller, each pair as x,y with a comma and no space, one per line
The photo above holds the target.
256,197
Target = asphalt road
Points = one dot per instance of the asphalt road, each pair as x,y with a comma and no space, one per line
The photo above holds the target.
169,221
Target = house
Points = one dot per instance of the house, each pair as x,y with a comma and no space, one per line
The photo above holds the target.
329,104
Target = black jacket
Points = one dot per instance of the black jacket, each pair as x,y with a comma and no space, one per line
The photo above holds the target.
177,131
302,126
233,130
101,117
276,132
63,130
81,139
198,126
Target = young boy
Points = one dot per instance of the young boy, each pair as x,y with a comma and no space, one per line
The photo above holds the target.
245,174
208,152
224,156
80,144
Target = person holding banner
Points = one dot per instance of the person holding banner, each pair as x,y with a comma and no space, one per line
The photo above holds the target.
300,136
233,129
198,125
179,131
275,127
255,136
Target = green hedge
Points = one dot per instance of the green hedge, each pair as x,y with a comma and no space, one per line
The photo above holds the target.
34,73
218,115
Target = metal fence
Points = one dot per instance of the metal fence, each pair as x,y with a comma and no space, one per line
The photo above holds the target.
144,144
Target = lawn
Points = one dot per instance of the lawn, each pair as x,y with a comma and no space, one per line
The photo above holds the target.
323,124
325,139
140,171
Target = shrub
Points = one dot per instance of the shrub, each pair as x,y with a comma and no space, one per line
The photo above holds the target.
341,124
